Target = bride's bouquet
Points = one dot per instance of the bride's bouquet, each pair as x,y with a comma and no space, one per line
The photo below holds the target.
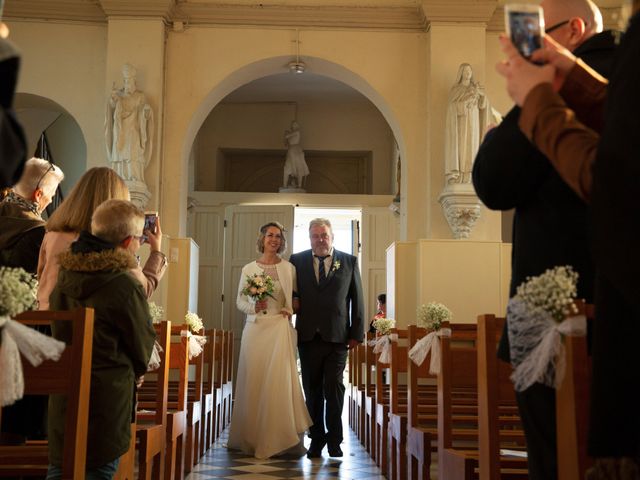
542,311
258,287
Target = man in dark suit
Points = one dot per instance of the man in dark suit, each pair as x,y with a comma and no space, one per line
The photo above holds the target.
329,321
550,225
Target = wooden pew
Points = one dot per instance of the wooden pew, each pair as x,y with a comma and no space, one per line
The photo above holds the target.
368,380
70,376
398,407
151,425
195,403
177,406
498,420
381,432
358,393
219,382
208,393
572,406
227,388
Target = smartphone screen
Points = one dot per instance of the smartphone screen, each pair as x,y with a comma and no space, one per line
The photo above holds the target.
150,222
525,26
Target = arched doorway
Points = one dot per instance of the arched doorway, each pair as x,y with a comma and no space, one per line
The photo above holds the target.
66,142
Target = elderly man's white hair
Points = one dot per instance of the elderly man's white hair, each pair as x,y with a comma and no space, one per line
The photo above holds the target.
38,173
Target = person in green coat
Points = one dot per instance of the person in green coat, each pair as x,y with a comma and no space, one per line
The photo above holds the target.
95,273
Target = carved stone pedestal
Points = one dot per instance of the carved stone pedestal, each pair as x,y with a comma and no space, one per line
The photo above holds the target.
139,192
461,207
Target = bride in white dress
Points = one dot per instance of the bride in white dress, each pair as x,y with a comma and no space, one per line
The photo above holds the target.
269,412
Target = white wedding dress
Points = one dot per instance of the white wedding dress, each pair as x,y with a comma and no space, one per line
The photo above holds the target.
269,412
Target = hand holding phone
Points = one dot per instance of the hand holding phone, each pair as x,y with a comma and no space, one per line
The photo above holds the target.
150,222
525,27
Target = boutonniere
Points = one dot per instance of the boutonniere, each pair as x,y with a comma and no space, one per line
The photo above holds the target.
336,266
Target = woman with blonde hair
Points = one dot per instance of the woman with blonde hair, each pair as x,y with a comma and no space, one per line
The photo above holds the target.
74,215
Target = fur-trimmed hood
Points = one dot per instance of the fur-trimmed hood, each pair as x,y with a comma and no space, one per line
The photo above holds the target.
82,274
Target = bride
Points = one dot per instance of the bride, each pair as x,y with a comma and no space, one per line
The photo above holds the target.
269,413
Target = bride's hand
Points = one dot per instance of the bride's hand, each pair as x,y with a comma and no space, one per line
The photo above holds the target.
261,305
286,314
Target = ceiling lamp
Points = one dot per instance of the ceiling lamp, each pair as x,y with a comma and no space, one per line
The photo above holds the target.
297,66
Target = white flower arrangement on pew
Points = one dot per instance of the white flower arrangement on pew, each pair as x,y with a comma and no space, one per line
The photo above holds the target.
382,343
18,294
431,317
195,342
157,314
538,316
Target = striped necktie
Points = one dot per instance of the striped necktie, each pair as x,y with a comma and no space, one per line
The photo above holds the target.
322,276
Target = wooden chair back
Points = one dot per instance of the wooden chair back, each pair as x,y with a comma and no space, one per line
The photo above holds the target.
69,376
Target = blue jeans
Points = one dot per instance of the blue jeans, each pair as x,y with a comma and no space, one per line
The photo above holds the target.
103,472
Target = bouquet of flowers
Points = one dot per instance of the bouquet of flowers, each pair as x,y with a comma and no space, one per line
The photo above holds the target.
195,342
384,325
382,344
258,287
542,311
17,294
431,316
17,291
194,322
554,292
157,312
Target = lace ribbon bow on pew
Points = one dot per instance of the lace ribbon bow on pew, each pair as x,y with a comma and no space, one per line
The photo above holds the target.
195,343
382,345
19,339
537,350
429,343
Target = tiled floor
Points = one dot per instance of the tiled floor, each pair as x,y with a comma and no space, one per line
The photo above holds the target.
222,463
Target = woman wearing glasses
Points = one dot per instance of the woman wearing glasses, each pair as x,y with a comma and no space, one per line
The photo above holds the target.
74,215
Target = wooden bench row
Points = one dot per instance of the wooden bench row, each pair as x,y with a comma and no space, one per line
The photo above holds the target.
183,406
465,415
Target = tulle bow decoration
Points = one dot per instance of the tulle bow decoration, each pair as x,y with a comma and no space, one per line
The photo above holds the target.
154,360
195,343
19,339
382,345
537,351
429,343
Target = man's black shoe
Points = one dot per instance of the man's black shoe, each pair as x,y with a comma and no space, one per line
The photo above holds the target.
334,451
315,449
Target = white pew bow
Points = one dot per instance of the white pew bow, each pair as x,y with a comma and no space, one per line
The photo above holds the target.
195,343
382,345
537,351
36,347
429,343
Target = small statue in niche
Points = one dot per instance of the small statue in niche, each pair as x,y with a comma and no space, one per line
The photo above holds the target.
295,166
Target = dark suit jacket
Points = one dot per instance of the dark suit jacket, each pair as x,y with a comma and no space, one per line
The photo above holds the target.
335,308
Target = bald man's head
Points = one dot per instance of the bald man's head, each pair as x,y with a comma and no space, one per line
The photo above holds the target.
576,21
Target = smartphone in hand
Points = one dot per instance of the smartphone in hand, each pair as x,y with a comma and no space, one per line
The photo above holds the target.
150,219
525,27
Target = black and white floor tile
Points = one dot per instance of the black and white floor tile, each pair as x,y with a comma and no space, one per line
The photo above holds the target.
356,464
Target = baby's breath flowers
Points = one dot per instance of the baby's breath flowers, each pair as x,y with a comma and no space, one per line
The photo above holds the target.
157,312
432,315
194,322
384,325
17,291
552,292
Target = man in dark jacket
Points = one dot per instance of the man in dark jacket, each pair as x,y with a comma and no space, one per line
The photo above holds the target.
21,233
95,273
21,224
329,321
551,223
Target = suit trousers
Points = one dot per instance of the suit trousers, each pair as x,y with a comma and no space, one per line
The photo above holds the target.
322,365
537,406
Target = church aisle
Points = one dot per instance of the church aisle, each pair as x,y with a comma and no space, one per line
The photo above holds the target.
222,463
